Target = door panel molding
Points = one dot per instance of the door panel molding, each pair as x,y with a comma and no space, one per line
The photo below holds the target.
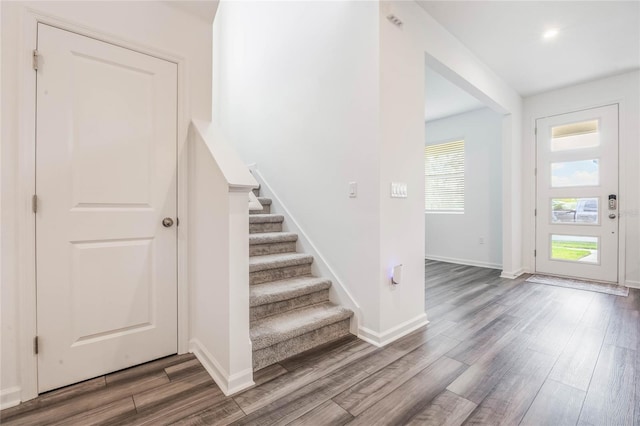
26,185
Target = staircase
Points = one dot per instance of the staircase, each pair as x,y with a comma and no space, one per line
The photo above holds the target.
290,308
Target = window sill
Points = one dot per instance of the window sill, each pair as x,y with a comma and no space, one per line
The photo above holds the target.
442,212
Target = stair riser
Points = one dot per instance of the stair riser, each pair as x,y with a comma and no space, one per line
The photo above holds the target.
279,274
258,228
264,249
272,354
265,209
263,311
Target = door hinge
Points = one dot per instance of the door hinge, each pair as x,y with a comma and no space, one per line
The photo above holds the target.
177,221
35,345
34,203
535,253
35,59
535,131
535,212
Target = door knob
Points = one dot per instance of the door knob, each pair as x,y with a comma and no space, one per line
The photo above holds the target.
612,216
167,222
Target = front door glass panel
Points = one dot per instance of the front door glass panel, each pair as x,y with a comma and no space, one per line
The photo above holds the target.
580,135
583,211
574,248
575,173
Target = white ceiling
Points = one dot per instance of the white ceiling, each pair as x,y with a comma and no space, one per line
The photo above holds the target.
443,98
596,38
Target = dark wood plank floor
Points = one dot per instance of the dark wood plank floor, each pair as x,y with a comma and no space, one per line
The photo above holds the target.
496,352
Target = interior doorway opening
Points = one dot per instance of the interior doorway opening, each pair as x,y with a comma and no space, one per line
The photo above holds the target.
463,176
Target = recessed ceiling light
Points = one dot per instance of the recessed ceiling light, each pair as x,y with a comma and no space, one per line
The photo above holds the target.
549,34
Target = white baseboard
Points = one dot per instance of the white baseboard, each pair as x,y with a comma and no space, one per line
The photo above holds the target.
229,384
512,275
386,337
632,284
463,261
9,397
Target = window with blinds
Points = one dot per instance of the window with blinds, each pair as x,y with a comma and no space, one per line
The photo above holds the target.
444,177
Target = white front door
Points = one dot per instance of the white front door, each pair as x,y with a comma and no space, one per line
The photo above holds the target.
577,194
105,179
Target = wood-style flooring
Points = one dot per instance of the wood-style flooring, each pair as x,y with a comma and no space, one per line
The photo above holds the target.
496,352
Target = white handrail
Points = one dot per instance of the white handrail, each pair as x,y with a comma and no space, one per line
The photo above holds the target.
233,169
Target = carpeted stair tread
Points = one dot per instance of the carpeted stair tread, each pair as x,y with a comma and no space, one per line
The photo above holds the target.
266,218
276,291
279,260
299,344
279,328
290,309
272,237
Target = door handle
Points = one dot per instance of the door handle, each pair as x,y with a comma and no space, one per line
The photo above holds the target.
612,216
167,222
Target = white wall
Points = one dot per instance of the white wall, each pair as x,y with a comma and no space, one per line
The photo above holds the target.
150,25
455,237
625,90
402,91
446,55
319,94
296,91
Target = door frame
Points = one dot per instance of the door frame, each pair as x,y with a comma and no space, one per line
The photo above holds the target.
26,170
622,186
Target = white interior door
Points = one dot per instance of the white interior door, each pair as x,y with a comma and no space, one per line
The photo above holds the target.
577,189
105,179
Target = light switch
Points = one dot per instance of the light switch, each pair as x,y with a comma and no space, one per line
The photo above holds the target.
396,275
353,189
398,190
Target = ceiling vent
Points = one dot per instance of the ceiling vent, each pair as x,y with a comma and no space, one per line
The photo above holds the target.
394,20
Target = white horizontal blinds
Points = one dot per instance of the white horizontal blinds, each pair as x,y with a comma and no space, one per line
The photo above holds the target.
444,177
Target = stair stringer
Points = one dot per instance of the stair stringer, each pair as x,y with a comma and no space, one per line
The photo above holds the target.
338,293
